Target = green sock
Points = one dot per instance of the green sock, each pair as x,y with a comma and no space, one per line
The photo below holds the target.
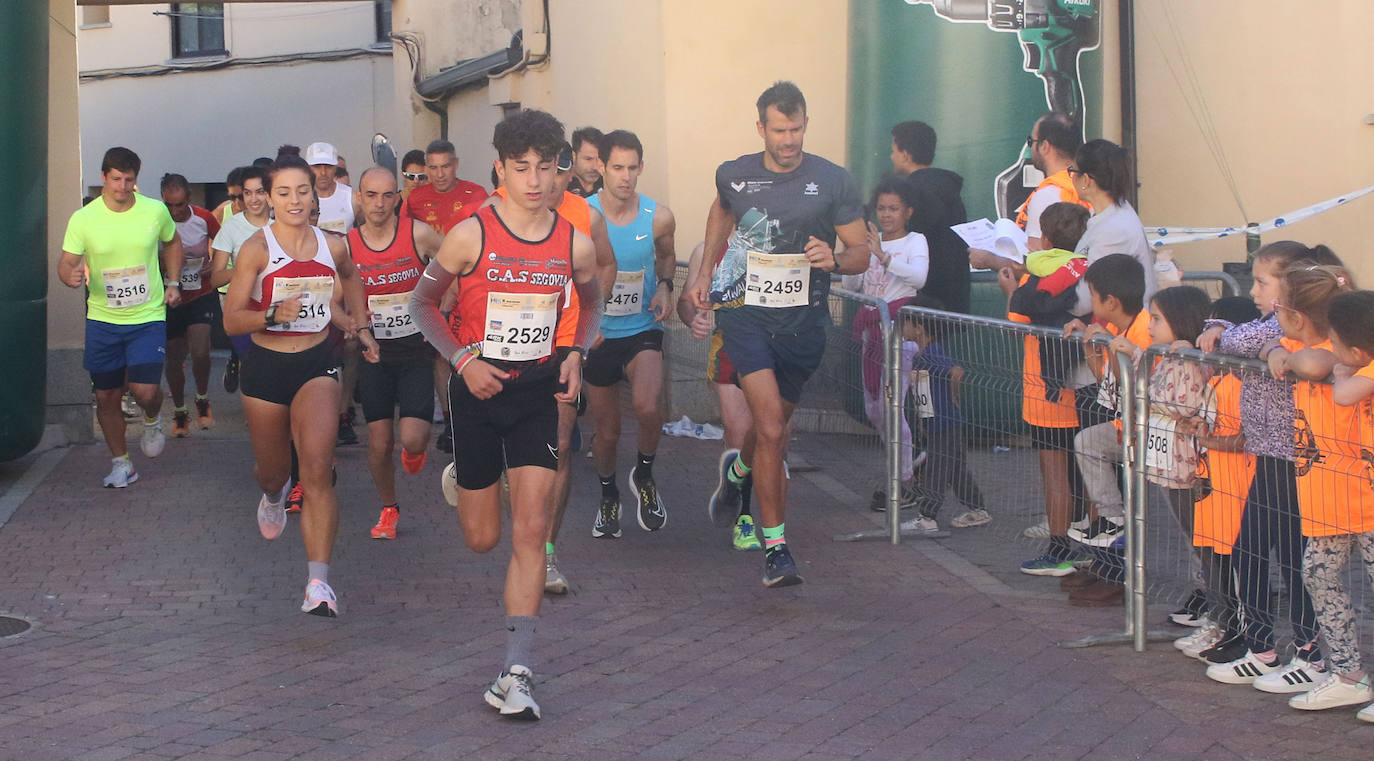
548,548
738,471
773,536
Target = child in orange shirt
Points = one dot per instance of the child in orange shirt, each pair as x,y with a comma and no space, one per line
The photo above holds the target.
1335,502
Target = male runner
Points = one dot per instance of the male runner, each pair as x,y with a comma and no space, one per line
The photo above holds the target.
589,222
781,211
233,187
390,255
512,262
188,325
586,145
111,245
441,204
641,233
225,247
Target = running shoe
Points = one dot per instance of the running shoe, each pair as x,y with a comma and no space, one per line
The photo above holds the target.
122,474
204,418
1299,675
1100,533
746,534
1047,565
1040,530
444,442
271,518
320,600
1243,670
607,521
386,524
971,518
725,500
905,498
231,375
347,436
649,509
1230,647
779,569
1203,638
1193,612
295,499
555,583
413,463
130,407
1366,714
181,424
513,694
1333,692
154,440
448,482
920,526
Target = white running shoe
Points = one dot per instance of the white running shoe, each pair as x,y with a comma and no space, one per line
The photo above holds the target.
154,440
513,694
448,481
1203,638
1366,714
1333,692
1040,530
921,525
555,583
271,517
1298,676
320,600
122,474
1243,670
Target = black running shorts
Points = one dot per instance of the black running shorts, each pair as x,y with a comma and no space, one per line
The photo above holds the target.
515,428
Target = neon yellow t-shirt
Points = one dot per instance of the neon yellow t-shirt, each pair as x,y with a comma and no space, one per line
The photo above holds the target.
121,254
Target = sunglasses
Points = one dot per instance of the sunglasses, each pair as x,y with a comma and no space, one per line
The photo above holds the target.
1074,171
235,196
415,176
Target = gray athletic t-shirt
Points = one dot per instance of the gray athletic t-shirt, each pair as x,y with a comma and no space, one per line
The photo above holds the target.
776,213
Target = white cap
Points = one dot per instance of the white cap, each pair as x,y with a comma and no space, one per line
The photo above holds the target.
321,153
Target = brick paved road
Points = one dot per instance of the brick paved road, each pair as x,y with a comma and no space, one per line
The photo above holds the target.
166,628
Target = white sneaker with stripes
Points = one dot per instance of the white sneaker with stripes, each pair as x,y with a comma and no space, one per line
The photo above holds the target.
1243,670
1298,676
1333,692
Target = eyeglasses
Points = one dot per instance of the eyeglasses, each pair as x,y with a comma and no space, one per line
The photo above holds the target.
1276,306
1074,171
415,176
1032,140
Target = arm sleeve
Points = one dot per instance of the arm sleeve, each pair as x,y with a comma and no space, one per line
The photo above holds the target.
912,262
424,309
1246,339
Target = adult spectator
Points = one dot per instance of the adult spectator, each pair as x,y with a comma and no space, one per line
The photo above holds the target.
111,245
586,162
1102,177
936,204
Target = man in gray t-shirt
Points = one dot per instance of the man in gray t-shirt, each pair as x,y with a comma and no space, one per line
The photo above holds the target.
776,218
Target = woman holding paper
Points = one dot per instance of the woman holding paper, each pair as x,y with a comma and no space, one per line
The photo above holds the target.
1101,174
897,270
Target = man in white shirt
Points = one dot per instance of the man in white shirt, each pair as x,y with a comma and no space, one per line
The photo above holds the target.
336,199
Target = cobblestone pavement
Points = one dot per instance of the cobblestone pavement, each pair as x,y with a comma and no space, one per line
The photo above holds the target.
165,627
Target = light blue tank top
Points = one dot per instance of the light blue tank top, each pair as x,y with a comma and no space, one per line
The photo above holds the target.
633,245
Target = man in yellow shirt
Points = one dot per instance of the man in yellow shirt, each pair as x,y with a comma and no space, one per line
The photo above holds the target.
112,246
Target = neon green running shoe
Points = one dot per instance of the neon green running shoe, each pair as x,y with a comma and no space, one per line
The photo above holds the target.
746,536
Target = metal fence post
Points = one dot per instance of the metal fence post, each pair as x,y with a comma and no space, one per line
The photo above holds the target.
1135,531
892,384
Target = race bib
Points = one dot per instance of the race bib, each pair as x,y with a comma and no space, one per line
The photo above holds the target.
125,287
924,407
190,274
335,226
391,315
777,280
627,295
1160,439
316,294
520,325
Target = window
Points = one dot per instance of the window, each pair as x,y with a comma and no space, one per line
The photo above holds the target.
95,16
383,11
197,29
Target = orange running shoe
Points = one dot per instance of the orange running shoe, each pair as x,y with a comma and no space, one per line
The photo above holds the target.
181,424
295,499
413,463
203,415
386,524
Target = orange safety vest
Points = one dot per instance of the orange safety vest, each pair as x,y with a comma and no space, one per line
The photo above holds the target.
1067,192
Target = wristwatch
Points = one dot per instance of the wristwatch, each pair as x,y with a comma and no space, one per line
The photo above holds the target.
666,281
271,315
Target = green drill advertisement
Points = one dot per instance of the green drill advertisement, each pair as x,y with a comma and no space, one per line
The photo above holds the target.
979,72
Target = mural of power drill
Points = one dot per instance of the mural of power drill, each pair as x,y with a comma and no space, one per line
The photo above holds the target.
1052,33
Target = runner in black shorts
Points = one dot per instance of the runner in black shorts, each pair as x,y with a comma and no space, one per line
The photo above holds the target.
641,233
512,261
390,254
188,325
781,211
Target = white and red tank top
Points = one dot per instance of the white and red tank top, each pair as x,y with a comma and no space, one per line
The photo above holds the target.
389,275
196,233
510,302
284,276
